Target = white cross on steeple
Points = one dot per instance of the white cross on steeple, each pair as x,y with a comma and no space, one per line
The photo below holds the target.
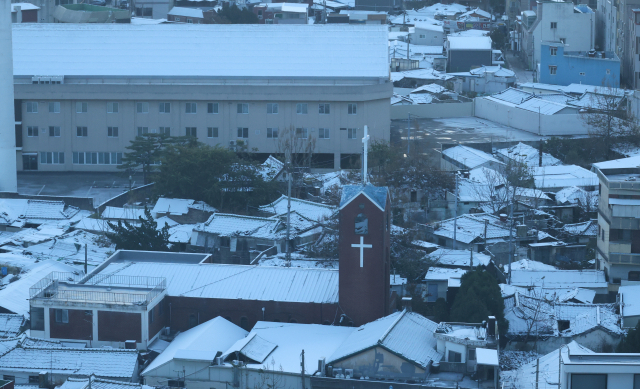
365,143
361,246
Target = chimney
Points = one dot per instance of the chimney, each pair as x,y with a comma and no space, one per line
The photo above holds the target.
406,304
503,217
18,9
491,326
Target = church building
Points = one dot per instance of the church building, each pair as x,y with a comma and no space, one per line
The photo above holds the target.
135,296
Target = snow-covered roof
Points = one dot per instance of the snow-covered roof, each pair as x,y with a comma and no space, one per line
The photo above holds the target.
14,297
428,26
199,343
469,42
588,228
179,206
476,11
271,167
471,226
488,357
470,32
527,264
529,155
287,7
563,176
107,363
70,248
406,334
122,213
245,282
310,209
214,50
622,163
573,195
278,345
10,325
229,225
377,194
430,88
630,299
181,233
497,71
188,12
23,6
546,372
458,258
421,74
469,156
98,383
452,276
590,279
34,211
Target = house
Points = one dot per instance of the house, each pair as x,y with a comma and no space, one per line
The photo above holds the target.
523,153
16,214
11,325
467,53
353,16
467,158
484,80
377,5
561,65
598,370
24,13
442,283
427,34
470,230
131,215
555,21
618,249
89,13
629,296
617,26
562,279
557,252
551,324
185,15
281,13
25,359
183,211
311,210
179,106
582,233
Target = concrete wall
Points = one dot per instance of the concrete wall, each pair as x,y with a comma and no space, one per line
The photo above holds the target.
363,363
431,38
597,71
445,110
372,110
465,60
558,124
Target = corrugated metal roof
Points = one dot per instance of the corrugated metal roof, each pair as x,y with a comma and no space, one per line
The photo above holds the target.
470,157
238,281
512,95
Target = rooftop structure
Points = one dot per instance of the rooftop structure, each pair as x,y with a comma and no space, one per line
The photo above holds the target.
450,276
554,178
89,13
464,157
630,305
527,154
469,43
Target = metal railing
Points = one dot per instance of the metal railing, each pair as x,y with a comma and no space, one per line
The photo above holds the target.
44,283
127,281
103,297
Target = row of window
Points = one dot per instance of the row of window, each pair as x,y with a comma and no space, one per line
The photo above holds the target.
96,158
212,132
191,108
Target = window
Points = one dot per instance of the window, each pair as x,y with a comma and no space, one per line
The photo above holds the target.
62,316
324,109
54,131
82,107
414,196
243,108
151,315
143,131
112,107
177,19
608,71
472,354
165,131
165,107
112,132
352,133
190,21
192,131
142,107
588,381
190,107
563,325
212,132
32,107
553,70
81,131
352,109
272,108
563,40
225,241
272,133
553,50
212,108
243,132
422,36
49,157
361,224
93,158
554,25
634,275
54,107
323,133
8,377
454,357
37,319
582,73
32,131
301,108
302,133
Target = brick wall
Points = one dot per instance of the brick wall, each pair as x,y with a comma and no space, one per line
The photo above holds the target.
80,325
159,318
119,326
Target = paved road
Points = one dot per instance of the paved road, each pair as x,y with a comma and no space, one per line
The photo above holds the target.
517,65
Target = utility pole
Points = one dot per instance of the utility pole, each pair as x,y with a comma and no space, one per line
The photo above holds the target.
455,213
85,258
289,176
365,152
302,368
511,233
537,371
409,135
486,223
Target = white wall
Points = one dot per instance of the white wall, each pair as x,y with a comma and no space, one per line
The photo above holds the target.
431,38
8,179
444,110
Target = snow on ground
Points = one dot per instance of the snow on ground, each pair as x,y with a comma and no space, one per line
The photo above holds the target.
299,260
511,360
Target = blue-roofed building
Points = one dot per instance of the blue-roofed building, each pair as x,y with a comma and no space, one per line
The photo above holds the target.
562,67
377,194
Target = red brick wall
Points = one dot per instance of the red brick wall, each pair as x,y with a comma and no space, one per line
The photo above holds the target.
80,325
364,291
159,316
119,326
201,310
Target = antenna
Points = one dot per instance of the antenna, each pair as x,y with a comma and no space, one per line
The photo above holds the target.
365,145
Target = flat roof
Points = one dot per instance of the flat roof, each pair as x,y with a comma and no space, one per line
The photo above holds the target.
469,42
213,50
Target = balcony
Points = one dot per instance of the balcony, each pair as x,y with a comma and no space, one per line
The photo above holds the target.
621,247
624,258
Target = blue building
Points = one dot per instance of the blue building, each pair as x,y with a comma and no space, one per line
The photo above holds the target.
560,67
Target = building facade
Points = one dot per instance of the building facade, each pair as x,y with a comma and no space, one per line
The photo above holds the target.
81,118
559,66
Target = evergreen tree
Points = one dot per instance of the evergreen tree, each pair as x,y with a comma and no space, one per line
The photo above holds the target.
146,236
145,153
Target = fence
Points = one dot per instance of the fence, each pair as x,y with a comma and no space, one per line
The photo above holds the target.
434,111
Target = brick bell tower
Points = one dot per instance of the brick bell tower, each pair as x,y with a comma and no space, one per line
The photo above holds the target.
364,251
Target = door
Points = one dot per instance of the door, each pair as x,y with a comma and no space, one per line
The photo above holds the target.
30,162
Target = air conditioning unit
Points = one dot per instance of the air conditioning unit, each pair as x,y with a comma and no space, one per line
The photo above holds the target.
337,372
348,373
45,80
57,79
219,361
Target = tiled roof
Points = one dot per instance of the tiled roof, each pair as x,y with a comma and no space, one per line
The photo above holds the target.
10,325
225,224
471,226
122,213
99,383
308,209
469,156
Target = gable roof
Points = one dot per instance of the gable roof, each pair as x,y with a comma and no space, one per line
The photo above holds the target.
559,278
309,209
469,156
530,155
406,334
630,299
183,11
10,325
377,194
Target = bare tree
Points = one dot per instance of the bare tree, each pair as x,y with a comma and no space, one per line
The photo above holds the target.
270,377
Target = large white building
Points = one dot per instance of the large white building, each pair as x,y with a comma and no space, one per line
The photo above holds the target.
83,92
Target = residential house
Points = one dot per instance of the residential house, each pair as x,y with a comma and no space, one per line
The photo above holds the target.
467,158
618,32
182,211
563,279
311,210
484,80
583,233
548,325
554,21
557,253
618,249
353,16
427,34
476,19
185,15
442,283
602,370
24,13
93,382
16,214
629,297
467,53
131,215
11,325
523,153
378,5
281,13
559,64
473,231
555,178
